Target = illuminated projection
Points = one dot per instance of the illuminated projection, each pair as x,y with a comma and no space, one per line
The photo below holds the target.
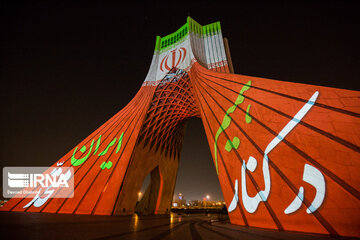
286,154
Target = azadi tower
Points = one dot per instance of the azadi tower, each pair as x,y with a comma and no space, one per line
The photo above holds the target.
286,154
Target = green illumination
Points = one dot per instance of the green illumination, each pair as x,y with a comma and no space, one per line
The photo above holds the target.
173,38
107,148
107,165
191,26
97,144
232,144
247,115
120,142
77,162
226,123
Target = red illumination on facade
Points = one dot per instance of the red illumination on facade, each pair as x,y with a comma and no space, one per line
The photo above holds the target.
286,154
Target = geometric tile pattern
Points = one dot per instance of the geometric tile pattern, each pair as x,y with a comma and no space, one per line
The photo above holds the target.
173,103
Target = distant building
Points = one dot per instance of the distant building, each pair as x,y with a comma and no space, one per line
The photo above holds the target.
179,201
195,203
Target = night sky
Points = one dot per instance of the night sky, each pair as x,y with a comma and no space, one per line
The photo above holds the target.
67,68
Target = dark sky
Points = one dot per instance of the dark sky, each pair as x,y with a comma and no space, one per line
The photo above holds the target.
66,68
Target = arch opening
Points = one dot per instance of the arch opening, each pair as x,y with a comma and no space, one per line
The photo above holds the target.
148,202
196,176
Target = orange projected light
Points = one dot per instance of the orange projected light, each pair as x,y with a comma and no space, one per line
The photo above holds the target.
286,154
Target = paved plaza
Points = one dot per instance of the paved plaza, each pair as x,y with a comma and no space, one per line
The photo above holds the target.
19,225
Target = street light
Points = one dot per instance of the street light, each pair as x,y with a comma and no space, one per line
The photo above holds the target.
207,197
139,196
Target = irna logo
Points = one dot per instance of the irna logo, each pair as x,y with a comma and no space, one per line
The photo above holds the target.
29,182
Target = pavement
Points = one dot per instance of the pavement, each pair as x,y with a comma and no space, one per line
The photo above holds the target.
20,225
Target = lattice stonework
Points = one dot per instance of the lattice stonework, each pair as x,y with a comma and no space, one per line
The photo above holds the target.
173,103
286,154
